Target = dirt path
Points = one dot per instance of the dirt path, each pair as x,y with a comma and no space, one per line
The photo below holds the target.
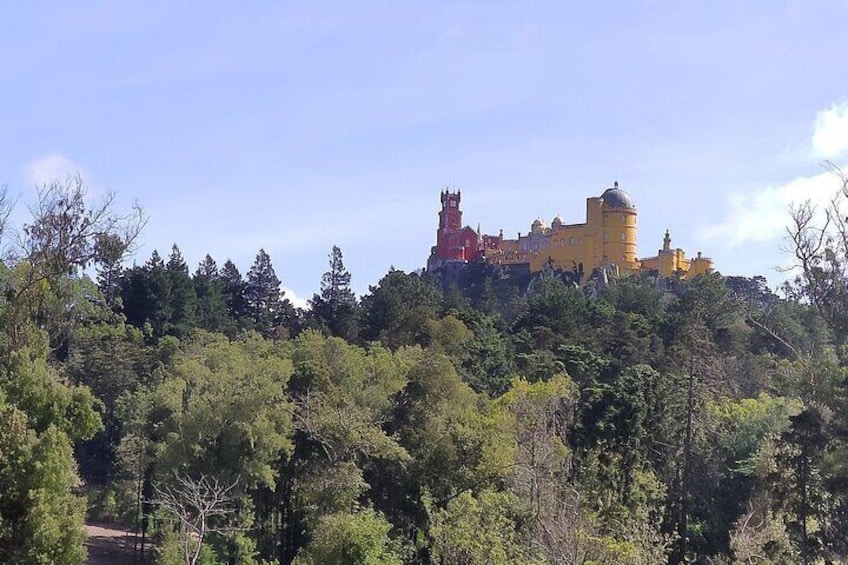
108,545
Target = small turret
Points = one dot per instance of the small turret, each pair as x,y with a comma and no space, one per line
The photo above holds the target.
538,226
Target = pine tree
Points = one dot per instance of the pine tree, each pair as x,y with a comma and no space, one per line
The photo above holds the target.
335,309
211,305
176,263
233,289
110,270
155,262
182,296
207,268
335,284
145,294
799,481
265,303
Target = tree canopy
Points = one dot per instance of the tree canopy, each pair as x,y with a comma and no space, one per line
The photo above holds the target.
504,419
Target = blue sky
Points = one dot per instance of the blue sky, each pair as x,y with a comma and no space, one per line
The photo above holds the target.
297,126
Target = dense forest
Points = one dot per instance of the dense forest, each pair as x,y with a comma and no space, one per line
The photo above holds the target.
638,421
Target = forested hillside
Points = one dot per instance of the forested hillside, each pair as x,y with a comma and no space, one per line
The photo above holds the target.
643,421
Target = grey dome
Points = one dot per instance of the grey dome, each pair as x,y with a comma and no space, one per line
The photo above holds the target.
616,198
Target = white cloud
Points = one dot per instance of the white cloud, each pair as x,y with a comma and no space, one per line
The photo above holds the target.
53,167
764,215
296,300
830,137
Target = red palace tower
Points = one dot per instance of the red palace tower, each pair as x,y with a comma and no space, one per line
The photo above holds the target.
454,242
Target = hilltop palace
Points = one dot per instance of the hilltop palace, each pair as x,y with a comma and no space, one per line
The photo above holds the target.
606,239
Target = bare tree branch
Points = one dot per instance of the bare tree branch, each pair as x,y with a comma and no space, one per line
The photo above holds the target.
818,242
195,503
65,234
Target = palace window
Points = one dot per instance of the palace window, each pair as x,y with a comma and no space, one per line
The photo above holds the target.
571,240
623,236
606,236
606,218
624,218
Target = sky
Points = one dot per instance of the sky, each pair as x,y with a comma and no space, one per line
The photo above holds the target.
296,126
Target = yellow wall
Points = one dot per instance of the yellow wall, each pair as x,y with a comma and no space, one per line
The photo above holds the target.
673,262
607,238
700,265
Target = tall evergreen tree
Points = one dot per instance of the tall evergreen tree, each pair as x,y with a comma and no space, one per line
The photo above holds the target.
155,263
335,309
176,263
800,491
110,269
212,312
182,296
207,268
335,284
266,305
145,294
233,288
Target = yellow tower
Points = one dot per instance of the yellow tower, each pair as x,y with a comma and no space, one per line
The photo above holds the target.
619,229
699,265
669,259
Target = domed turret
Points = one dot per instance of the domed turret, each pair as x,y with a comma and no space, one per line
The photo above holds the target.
616,198
538,226
556,222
